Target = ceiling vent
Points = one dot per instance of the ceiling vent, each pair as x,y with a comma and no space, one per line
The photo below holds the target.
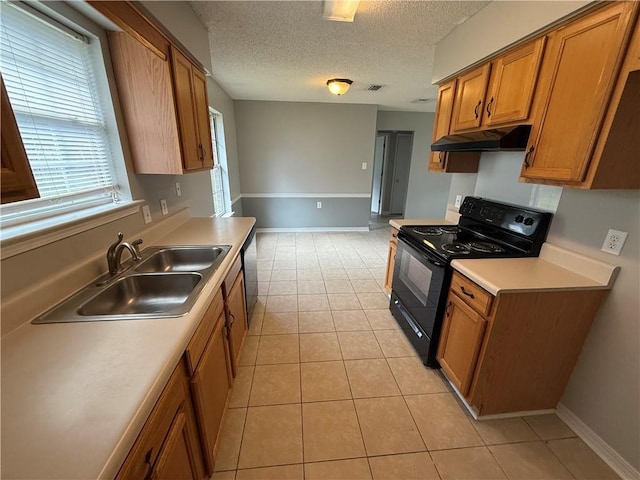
374,88
423,100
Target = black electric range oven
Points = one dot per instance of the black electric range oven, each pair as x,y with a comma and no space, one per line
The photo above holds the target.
422,273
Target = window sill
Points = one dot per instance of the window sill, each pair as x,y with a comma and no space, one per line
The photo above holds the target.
21,238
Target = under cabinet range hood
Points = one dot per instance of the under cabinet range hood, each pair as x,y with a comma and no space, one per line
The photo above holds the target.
495,140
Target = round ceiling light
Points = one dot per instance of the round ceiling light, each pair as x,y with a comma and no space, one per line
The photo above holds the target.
339,86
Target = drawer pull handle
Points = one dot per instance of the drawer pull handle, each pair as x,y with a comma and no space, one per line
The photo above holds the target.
489,107
468,294
448,310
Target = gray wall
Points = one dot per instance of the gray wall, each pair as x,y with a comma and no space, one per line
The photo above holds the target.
427,192
288,148
604,391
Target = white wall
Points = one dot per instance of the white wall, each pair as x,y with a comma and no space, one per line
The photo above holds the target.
427,192
496,26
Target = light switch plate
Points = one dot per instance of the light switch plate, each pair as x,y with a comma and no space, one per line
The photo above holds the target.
319,204
178,190
163,206
614,241
458,201
146,213
364,165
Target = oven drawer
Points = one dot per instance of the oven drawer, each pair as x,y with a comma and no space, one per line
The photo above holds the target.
473,295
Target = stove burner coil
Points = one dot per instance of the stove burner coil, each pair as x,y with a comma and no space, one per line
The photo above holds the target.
485,247
450,230
455,248
428,231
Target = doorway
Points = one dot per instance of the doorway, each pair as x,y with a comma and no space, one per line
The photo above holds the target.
391,166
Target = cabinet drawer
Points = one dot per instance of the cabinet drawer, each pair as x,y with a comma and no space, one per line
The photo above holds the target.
198,342
146,449
473,295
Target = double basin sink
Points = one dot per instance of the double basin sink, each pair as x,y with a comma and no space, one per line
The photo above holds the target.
164,283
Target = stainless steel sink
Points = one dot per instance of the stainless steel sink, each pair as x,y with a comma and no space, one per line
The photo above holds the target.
143,294
164,283
182,259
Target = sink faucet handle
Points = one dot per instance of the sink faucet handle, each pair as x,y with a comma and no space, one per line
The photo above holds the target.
136,248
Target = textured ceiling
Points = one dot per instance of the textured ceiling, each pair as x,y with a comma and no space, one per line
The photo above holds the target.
285,51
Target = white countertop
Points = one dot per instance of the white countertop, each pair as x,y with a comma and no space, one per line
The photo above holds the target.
76,395
555,269
400,222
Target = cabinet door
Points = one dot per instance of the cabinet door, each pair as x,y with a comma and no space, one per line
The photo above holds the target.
460,342
177,458
512,83
469,99
168,443
184,96
16,176
444,109
576,80
391,262
236,319
210,388
202,117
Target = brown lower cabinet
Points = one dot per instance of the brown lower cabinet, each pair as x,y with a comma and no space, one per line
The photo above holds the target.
210,370
391,260
168,446
515,351
236,311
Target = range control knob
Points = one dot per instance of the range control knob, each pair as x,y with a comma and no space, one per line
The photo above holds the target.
519,219
528,221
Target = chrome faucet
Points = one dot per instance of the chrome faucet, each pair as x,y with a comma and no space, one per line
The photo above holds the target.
114,254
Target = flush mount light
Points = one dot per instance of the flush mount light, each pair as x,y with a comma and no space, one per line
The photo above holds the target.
339,86
340,10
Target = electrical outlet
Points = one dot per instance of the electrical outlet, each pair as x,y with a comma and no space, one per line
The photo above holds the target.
163,206
178,191
458,201
146,213
319,204
614,241
364,165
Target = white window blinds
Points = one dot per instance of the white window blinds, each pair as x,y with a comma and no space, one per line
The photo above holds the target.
50,79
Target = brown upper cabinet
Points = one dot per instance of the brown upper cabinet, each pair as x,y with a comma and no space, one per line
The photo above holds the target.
163,95
16,177
512,84
587,109
498,92
469,99
449,162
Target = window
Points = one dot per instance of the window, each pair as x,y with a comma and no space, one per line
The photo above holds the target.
219,174
50,75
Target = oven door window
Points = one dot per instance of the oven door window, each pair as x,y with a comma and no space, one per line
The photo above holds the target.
415,276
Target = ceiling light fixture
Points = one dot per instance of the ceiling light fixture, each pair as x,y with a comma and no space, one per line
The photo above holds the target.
340,10
339,86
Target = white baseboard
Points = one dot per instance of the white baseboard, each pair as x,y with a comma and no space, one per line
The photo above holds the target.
597,444
312,229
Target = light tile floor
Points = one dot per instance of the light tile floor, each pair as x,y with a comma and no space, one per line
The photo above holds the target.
329,388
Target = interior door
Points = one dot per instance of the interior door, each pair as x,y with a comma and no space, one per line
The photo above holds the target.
401,168
378,160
